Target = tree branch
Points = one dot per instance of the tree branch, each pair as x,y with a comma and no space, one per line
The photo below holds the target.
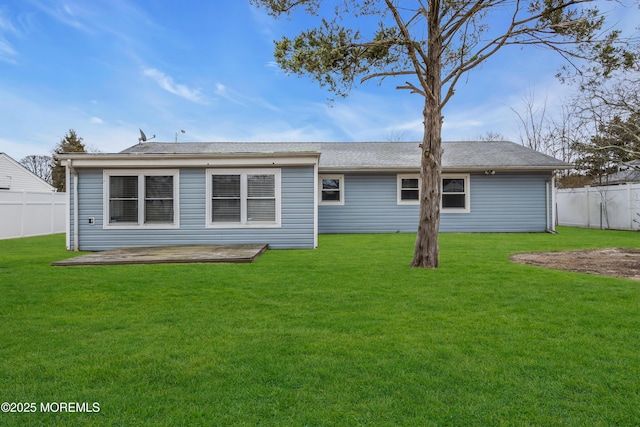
412,51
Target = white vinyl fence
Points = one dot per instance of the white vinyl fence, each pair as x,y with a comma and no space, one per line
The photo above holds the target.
612,207
27,213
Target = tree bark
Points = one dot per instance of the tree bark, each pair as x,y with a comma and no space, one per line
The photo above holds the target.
426,250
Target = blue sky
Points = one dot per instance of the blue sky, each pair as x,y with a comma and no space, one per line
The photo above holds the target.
106,68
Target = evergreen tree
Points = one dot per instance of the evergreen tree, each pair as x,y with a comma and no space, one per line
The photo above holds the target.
617,143
70,143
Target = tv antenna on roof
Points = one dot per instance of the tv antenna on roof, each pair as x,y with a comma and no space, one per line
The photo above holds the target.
143,137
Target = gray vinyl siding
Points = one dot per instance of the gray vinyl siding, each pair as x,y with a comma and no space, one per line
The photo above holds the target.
370,206
504,202
297,219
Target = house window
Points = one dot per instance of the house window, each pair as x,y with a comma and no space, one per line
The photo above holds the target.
141,199
455,192
243,198
331,189
225,198
408,189
158,200
123,199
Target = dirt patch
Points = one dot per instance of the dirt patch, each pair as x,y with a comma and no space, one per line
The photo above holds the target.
609,262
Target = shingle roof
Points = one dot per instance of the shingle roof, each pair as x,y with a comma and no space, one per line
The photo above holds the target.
632,174
458,155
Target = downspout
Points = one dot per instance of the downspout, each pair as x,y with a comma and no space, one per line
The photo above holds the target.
315,204
549,203
75,204
554,219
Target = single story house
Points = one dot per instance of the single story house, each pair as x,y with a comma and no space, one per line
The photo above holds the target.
285,194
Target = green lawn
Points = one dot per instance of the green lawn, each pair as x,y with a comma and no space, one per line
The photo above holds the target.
346,334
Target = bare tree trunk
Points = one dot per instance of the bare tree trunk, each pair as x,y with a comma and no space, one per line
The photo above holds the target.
426,250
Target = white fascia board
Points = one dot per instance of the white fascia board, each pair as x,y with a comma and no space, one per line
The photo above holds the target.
503,169
181,160
342,170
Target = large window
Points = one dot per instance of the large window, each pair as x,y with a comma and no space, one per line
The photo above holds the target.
331,189
455,192
141,199
245,198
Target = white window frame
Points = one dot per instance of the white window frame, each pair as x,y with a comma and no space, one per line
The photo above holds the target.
399,190
340,179
141,174
244,223
467,192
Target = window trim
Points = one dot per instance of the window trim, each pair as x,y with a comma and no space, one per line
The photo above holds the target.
467,193
243,198
340,179
141,174
400,177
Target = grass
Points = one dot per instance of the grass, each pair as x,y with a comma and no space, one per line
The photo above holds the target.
343,335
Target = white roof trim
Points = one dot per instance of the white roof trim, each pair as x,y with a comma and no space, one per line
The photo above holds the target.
190,160
445,169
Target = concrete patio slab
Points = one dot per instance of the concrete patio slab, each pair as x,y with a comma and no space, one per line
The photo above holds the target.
170,255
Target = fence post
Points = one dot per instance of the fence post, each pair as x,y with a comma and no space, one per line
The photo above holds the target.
52,213
630,202
23,210
588,207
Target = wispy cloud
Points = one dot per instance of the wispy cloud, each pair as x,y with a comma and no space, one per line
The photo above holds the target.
65,13
224,92
166,82
122,19
96,120
371,117
6,25
7,52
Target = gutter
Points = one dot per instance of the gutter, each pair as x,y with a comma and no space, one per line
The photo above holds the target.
457,169
140,160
